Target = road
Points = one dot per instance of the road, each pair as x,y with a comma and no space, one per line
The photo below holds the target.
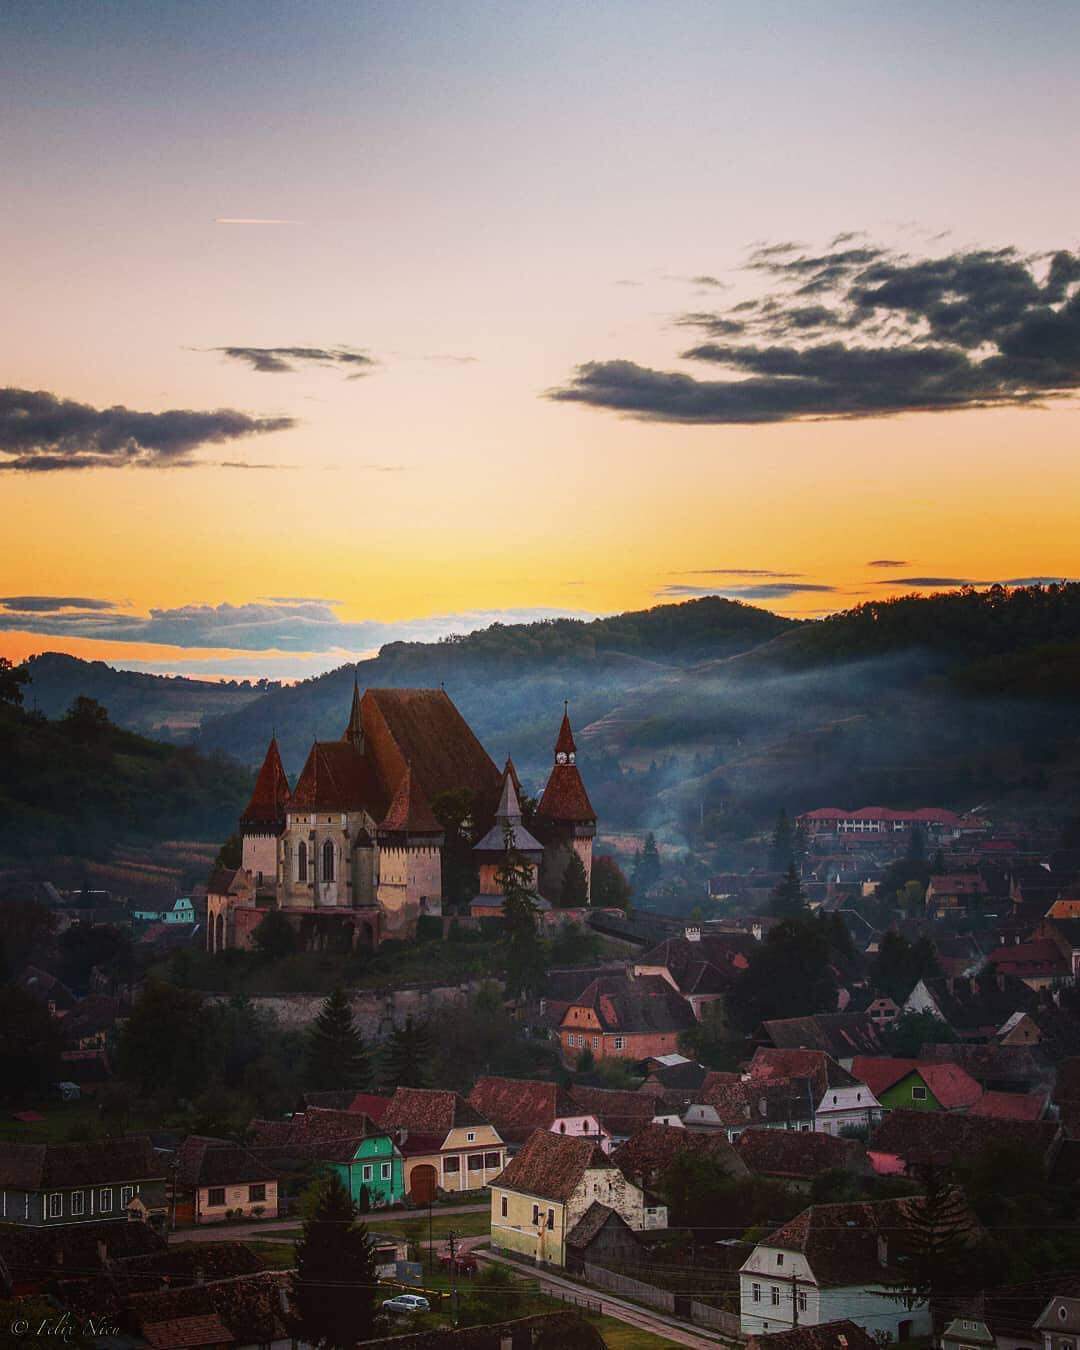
645,1319
271,1229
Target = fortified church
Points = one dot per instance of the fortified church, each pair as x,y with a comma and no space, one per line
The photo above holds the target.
353,854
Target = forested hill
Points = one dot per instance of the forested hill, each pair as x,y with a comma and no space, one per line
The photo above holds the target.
82,786
509,680
169,707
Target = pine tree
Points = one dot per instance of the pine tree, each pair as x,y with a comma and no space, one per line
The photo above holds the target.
336,1055
787,899
916,846
610,888
937,1236
524,959
647,866
335,1284
407,1059
781,849
575,884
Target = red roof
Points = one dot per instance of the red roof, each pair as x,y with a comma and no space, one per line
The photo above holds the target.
1029,958
517,1106
954,1088
565,798
564,745
409,812
339,777
368,1104
1011,1105
271,795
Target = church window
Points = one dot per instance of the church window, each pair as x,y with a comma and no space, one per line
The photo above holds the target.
328,860
301,861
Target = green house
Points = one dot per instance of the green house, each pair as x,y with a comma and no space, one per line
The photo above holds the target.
911,1085
373,1164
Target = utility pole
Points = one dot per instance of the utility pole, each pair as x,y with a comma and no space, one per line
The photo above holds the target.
794,1300
452,1239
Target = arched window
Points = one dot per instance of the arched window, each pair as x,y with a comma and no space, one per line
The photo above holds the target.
220,932
328,860
301,861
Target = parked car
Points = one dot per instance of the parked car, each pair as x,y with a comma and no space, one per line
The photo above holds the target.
406,1303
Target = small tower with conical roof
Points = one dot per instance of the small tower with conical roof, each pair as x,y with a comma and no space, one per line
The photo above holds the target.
354,732
565,819
489,854
264,819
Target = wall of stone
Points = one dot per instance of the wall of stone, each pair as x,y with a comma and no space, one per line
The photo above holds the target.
376,1012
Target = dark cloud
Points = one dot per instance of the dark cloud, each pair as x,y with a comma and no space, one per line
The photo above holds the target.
46,604
285,360
704,279
884,334
888,562
972,581
41,433
766,591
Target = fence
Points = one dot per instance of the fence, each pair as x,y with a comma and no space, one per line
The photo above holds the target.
589,1305
636,1289
707,1316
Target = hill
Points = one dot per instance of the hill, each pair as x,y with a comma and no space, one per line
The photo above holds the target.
508,680
81,786
166,706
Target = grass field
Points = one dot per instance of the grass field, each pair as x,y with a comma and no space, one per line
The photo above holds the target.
416,1228
64,1121
621,1336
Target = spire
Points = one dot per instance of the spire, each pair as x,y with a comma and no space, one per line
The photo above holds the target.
565,749
271,795
354,732
509,811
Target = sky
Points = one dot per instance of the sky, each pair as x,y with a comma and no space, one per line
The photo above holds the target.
338,322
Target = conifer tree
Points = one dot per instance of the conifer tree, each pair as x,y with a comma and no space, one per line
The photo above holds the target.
781,849
787,900
336,1055
575,884
647,866
335,1285
407,1060
524,962
937,1236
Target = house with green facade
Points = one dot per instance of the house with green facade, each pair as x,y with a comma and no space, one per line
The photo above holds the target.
911,1085
373,1164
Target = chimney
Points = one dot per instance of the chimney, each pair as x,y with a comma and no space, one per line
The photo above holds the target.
882,1249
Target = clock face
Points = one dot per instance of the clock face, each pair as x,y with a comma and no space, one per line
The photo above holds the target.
560,758
572,757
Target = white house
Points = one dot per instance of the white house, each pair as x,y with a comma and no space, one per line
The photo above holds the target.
1059,1324
835,1097
829,1263
584,1127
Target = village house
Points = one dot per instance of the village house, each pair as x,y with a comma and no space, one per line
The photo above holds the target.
517,1106
620,1113
732,1103
702,968
649,1152
913,1138
447,1145
217,1180
49,1185
363,1155
601,1237
954,893
796,1159
918,1086
830,1263
1059,1323
968,1333
843,1035
843,1099
826,1336
1039,964
549,1185
973,1008
251,1312
937,823
625,1017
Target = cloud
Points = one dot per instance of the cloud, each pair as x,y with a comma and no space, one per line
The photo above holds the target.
864,331
738,572
262,626
285,360
766,591
43,433
969,581
888,562
47,604
253,220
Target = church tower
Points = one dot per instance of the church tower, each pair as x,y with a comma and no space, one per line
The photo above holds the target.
264,819
565,819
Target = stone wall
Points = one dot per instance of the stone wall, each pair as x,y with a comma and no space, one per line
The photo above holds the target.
376,1012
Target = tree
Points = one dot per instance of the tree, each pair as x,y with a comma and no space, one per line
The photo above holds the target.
230,855
274,937
912,1030
788,899
165,1046
30,1045
524,968
407,1058
454,810
12,679
789,975
711,1041
781,847
610,888
899,965
25,927
335,1284
647,866
85,946
87,719
936,1239
574,893
336,1056
916,846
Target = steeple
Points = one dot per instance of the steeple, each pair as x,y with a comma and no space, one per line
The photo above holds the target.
354,732
565,749
509,810
271,795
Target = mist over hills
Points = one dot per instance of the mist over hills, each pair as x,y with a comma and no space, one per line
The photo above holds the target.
701,719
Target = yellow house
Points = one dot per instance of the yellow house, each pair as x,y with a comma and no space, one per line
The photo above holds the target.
548,1187
216,1180
446,1143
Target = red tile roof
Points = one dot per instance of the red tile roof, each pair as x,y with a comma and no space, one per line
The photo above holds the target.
619,1111
822,1070
551,1166
798,1154
517,1106
649,1151
186,1333
641,1005
565,798
429,1111
953,1087
216,1162
564,745
1011,1105
339,777
370,1105
409,812
270,798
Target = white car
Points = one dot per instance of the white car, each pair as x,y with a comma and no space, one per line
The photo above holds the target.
406,1303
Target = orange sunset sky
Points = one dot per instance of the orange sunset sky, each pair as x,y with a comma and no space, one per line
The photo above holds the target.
330,324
